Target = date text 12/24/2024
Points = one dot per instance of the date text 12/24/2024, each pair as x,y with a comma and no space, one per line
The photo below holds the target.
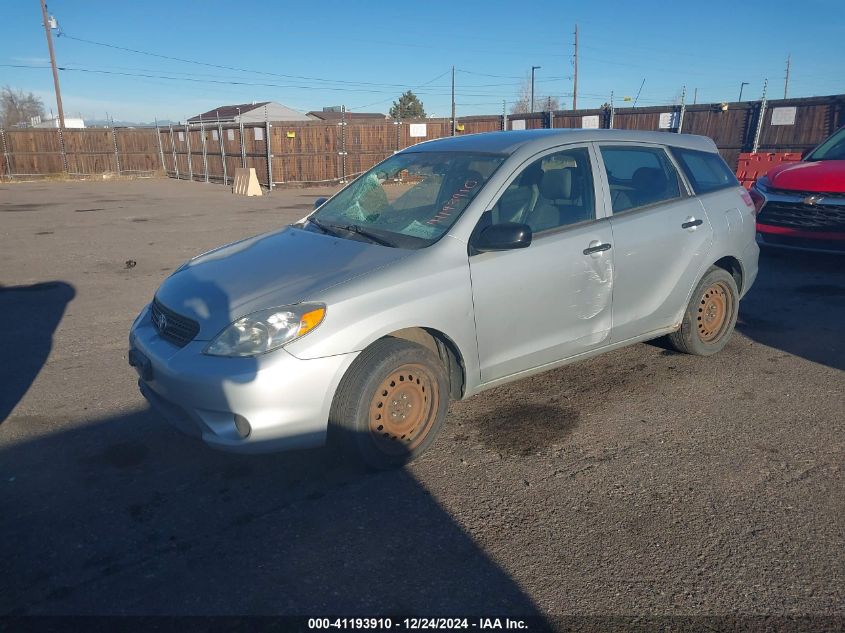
435,624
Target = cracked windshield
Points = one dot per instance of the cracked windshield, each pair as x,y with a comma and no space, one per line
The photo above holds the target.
409,200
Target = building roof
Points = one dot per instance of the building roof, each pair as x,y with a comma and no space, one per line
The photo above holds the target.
227,112
275,112
332,115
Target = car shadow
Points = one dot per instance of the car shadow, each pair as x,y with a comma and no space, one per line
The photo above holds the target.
29,315
797,305
126,516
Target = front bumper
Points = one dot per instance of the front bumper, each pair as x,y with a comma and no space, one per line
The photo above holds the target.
796,239
285,400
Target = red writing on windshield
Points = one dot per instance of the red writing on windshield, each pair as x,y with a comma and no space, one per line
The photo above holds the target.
454,201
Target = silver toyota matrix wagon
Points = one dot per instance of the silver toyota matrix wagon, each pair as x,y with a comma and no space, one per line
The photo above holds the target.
454,266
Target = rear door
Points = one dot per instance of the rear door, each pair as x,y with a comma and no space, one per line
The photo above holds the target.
661,237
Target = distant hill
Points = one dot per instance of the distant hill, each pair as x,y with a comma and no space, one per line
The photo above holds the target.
107,123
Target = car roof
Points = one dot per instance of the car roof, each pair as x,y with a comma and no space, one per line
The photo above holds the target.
512,141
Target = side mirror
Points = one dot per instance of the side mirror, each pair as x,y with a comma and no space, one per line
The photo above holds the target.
503,237
319,202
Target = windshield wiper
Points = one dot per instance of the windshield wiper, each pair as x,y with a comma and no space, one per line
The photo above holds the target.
323,227
354,228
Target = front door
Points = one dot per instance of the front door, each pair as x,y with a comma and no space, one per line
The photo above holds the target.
552,300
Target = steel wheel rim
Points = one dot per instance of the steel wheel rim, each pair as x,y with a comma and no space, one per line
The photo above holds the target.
714,309
403,409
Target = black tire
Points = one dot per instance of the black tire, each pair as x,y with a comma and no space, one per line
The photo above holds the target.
710,317
390,405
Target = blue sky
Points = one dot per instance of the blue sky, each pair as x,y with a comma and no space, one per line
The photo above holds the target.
363,54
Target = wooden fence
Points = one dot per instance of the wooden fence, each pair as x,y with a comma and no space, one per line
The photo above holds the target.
319,152
79,152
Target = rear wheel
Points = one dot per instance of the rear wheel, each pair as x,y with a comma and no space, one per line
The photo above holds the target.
710,317
390,404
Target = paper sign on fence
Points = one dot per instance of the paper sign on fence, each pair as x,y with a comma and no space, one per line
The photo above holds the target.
783,116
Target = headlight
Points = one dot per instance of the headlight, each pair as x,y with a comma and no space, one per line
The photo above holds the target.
140,316
266,330
763,184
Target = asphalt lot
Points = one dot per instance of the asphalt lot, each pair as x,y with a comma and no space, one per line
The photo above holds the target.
640,482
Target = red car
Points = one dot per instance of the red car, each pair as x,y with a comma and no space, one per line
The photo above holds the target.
802,205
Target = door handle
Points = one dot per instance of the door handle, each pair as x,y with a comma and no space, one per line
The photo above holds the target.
691,223
596,247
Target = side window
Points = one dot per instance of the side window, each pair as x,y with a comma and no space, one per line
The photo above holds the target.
553,191
639,176
705,171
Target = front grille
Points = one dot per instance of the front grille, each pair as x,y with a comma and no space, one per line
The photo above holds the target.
804,194
810,217
173,327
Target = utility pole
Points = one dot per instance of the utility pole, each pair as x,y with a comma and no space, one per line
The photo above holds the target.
695,96
453,101
533,68
53,64
741,86
786,81
575,74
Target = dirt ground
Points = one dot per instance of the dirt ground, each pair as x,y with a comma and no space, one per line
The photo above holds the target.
643,482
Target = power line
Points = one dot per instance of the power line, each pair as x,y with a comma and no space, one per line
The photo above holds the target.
470,72
548,79
471,90
229,77
258,72
244,83
273,85
358,83
219,66
342,82
439,47
391,98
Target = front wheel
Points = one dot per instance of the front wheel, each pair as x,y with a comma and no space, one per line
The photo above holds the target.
390,404
710,317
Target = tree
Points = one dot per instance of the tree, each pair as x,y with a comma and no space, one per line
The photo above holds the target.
407,107
542,103
18,107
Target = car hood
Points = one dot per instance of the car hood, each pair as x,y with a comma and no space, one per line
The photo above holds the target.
280,268
822,176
